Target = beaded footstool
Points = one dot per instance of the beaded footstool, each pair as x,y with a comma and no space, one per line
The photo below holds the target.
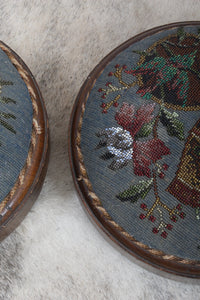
135,147
23,140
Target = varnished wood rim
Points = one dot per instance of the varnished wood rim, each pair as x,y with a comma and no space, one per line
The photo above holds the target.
83,186
20,199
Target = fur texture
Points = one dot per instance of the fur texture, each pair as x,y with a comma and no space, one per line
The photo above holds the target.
57,253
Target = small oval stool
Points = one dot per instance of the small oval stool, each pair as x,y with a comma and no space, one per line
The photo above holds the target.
135,147
23,140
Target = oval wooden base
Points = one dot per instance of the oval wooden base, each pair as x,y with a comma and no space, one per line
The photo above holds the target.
91,202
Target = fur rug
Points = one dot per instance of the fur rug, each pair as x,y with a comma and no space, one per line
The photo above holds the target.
57,253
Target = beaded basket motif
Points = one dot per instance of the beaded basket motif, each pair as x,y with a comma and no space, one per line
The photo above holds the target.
139,142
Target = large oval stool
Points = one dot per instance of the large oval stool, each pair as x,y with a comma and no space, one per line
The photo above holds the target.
135,147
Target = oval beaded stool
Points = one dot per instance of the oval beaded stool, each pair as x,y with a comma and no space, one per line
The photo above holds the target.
134,147
23,140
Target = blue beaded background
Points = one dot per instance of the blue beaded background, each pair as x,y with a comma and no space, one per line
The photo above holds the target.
184,240
14,147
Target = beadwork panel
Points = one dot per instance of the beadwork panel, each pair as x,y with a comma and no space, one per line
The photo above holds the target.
140,141
16,115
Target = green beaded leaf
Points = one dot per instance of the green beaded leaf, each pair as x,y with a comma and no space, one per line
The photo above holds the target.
7,116
174,126
146,130
134,192
6,100
145,53
3,115
181,34
7,126
3,82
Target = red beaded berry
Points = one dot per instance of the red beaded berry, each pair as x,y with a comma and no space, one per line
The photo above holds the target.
164,234
155,230
165,167
143,206
169,226
182,215
152,218
161,175
179,207
142,216
174,219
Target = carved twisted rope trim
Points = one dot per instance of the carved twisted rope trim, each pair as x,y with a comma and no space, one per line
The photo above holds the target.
36,129
98,205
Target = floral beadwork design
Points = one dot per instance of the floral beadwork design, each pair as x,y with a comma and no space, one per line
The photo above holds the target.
167,76
125,144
